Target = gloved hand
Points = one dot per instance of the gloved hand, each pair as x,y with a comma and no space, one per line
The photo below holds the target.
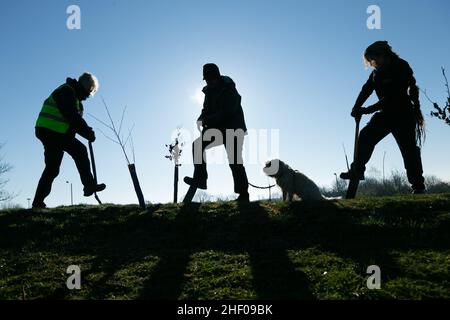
357,112
91,136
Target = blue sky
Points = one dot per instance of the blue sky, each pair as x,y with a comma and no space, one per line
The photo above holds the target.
297,64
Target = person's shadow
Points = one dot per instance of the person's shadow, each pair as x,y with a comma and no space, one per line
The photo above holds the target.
120,239
274,275
250,231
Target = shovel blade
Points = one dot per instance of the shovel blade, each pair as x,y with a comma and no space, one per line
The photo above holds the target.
190,194
352,189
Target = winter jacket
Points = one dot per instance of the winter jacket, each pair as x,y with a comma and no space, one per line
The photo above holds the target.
391,83
222,107
65,99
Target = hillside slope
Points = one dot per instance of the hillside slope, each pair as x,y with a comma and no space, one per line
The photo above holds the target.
222,251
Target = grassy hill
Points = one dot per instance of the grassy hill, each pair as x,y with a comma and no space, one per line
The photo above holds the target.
223,251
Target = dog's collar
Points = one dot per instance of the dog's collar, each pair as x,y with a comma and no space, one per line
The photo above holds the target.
281,173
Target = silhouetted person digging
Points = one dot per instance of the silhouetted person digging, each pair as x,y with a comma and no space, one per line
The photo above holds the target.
397,112
59,121
220,123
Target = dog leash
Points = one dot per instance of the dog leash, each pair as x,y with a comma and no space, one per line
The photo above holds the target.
269,187
258,187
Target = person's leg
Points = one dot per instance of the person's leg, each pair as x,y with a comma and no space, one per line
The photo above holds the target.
208,139
405,135
370,135
234,146
78,152
53,154
199,158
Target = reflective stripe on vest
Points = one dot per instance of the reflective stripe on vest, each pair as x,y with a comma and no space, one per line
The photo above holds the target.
51,118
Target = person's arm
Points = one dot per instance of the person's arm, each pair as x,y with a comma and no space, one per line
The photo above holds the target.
366,91
67,104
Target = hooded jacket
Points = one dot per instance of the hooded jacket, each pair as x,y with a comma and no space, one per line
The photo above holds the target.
222,107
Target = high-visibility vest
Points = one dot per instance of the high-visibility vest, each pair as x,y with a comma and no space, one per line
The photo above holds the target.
51,118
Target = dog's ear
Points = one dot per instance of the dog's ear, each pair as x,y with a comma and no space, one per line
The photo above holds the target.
272,167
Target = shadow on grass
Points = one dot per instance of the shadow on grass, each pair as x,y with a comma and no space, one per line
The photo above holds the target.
116,237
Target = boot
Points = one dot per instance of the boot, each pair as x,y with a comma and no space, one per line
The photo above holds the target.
349,175
200,184
90,190
38,205
418,189
353,174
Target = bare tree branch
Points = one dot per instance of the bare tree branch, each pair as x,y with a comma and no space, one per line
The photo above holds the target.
107,137
117,133
446,81
426,95
103,123
110,118
121,120
444,112
129,135
4,168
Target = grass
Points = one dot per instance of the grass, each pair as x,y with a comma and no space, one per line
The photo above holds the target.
224,251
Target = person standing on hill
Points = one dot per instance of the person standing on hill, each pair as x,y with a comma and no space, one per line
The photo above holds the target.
397,112
60,119
221,122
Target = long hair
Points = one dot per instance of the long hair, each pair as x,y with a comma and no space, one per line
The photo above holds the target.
420,120
376,50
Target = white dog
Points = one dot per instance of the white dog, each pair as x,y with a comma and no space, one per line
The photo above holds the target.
292,182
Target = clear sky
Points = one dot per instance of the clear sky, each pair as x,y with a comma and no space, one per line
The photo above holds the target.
297,64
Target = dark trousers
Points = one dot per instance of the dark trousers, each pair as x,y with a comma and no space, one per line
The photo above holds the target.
233,146
55,145
403,130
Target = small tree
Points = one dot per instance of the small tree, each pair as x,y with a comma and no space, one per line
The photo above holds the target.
444,112
175,150
4,168
203,196
119,139
436,185
399,181
338,188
